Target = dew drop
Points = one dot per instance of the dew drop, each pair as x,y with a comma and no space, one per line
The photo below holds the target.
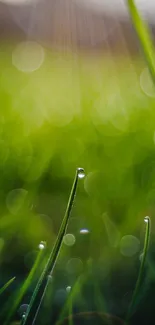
42,245
146,219
84,231
81,173
141,256
49,279
68,289
22,310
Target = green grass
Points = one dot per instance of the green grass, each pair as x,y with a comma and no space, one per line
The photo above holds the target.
93,112
31,315
141,270
144,36
23,289
6,285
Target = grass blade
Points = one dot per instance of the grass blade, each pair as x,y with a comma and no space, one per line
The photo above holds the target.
33,310
144,36
6,285
141,270
27,283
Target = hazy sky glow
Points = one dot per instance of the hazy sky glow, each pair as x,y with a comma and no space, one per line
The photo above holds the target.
18,2
119,7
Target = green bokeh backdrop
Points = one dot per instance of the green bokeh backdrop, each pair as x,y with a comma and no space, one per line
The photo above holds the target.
77,110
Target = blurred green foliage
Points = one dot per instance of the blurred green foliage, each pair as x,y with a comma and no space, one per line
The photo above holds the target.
75,111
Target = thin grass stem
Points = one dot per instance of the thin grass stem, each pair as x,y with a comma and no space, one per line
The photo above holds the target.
33,310
6,285
26,283
144,36
141,270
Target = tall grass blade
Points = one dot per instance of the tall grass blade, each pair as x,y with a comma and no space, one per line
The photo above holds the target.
144,36
27,283
33,308
141,270
6,285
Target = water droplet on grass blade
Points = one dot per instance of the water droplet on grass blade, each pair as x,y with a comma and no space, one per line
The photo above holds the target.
74,266
81,173
50,278
22,310
42,245
141,256
68,289
146,219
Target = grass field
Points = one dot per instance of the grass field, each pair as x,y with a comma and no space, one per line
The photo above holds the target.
77,110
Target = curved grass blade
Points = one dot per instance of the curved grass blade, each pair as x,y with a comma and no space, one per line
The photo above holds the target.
6,285
27,283
33,310
141,270
144,36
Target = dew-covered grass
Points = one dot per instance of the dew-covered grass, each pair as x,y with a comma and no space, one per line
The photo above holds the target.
95,111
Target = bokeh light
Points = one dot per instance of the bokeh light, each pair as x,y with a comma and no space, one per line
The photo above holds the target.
69,239
129,245
74,266
146,83
16,199
60,296
92,106
28,56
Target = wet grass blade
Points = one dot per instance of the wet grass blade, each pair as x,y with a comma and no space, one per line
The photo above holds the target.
26,284
6,285
144,36
33,310
141,270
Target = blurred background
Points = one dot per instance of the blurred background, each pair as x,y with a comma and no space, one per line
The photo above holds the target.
75,91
